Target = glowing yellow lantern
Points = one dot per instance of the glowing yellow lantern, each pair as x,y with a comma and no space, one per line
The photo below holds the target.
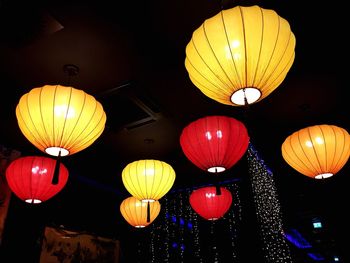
134,211
148,180
240,55
318,151
60,120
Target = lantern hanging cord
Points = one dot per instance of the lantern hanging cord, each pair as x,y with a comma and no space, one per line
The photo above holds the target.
217,185
55,177
148,212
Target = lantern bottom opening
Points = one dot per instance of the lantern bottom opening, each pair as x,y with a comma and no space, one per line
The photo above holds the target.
245,96
33,201
216,169
323,176
55,151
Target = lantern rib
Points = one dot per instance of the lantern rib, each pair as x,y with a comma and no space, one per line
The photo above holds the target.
216,58
245,49
65,118
213,73
196,160
334,167
228,42
131,215
129,183
36,183
303,168
42,122
34,124
83,130
319,171
65,121
280,59
88,142
133,181
159,189
22,193
45,193
327,168
146,177
210,147
208,80
269,62
260,49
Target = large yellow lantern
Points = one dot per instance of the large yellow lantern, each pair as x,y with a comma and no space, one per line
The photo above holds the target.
318,151
240,55
148,180
60,120
134,211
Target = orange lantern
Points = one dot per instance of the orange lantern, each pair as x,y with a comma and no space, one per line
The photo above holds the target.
135,212
318,151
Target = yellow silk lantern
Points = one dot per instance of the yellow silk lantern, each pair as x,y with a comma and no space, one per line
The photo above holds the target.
240,55
318,151
148,180
60,120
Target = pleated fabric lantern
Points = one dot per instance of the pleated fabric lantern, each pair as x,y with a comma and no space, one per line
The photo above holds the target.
318,151
214,143
134,211
240,55
148,180
210,206
30,178
60,120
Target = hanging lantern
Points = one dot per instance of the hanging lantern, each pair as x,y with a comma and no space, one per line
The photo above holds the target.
30,178
60,120
134,211
214,143
148,180
318,151
208,204
240,55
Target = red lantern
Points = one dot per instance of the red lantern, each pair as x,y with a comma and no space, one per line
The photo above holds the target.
30,178
214,143
208,204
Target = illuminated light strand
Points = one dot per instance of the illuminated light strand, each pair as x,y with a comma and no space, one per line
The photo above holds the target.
234,216
268,210
181,232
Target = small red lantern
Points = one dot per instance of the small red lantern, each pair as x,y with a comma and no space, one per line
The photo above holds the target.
208,204
30,178
214,143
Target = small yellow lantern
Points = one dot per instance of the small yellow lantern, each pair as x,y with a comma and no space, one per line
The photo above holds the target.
148,180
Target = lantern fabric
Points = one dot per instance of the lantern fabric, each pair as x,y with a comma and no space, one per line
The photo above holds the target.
134,211
240,55
214,143
30,178
60,120
148,180
206,203
318,151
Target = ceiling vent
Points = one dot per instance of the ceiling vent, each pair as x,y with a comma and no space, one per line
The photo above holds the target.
128,109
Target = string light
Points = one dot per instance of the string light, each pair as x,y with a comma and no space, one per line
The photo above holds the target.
234,216
268,209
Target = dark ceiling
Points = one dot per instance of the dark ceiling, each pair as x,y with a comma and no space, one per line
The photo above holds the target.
130,56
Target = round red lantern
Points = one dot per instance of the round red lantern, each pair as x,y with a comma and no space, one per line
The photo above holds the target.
30,178
208,204
214,143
